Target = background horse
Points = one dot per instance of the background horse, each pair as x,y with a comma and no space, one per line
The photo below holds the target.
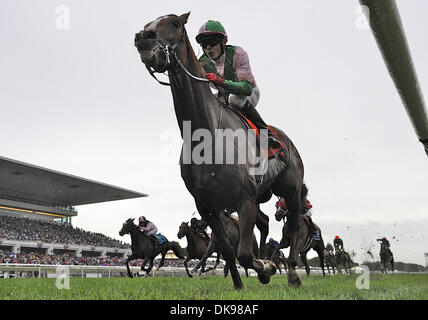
386,257
163,45
309,242
262,223
343,259
329,258
145,248
277,258
196,247
232,229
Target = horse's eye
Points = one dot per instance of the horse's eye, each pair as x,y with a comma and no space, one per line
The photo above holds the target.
176,24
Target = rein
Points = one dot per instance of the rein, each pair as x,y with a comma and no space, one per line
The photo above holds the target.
170,51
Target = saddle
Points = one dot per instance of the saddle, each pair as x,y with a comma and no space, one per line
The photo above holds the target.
272,152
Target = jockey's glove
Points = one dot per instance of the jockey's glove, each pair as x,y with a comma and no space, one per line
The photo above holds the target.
215,79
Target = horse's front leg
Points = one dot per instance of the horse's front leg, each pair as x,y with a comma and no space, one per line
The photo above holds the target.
130,258
305,263
247,212
186,267
149,268
202,262
162,260
143,264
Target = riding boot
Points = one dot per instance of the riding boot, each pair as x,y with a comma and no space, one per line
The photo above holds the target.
251,113
311,228
152,236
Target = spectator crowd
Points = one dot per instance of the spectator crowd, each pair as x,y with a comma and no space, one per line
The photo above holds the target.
15,228
66,259
25,229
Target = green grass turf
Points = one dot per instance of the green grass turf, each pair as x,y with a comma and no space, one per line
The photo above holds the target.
398,286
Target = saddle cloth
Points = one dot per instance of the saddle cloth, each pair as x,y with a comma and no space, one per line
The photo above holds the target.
272,152
316,236
161,238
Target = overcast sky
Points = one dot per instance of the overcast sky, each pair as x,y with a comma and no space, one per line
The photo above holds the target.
78,100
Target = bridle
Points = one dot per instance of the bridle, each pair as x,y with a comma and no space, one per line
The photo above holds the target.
283,213
171,55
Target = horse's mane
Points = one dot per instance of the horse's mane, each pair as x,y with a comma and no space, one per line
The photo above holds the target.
304,191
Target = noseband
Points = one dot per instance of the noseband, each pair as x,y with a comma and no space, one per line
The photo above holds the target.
169,51
282,212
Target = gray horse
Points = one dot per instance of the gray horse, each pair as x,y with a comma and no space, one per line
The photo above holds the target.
163,45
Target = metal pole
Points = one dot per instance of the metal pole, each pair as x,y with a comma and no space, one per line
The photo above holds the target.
387,28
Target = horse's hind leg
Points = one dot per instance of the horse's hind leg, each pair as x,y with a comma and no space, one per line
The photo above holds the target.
262,223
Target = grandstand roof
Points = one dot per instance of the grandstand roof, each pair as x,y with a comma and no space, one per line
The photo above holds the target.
24,182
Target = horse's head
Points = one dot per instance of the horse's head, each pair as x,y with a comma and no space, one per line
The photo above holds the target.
158,38
127,227
182,231
281,209
280,214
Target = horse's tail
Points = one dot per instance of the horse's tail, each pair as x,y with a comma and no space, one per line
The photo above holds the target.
177,249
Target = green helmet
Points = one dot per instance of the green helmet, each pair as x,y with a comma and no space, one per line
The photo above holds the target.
211,27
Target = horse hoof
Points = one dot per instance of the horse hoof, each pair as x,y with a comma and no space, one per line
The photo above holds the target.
294,279
269,267
263,278
130,275
239,286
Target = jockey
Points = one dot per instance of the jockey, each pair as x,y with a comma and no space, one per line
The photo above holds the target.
338,243
195,225
281,204
273,242
228,67
147,227
308,212
385,242
329,248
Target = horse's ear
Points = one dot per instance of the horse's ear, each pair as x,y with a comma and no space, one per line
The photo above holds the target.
184,17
